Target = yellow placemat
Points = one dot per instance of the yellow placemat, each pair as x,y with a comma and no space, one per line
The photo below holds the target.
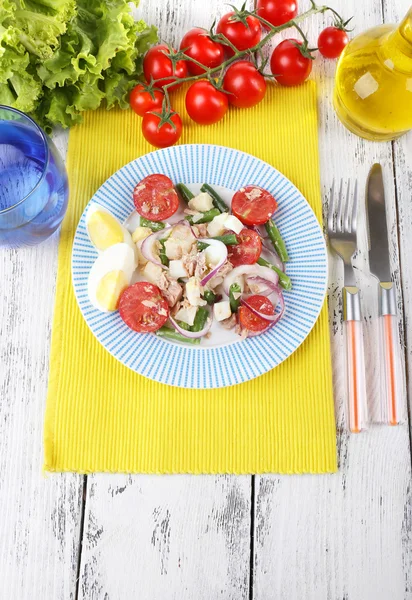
101,416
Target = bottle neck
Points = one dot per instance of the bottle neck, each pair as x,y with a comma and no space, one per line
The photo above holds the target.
405,28
397,45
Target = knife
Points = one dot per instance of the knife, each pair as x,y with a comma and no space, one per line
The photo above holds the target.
391,358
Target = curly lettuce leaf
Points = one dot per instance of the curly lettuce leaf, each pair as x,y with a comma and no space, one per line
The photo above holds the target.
59,58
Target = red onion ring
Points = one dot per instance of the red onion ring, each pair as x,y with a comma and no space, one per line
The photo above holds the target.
223,248
147,246
193,334
254,271
270,287
274,255
278,316
258,230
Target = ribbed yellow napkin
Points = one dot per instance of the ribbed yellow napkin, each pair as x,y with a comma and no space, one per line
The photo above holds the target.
101,416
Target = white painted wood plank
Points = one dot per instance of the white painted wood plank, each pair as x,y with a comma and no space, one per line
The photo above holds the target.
172,536
345,535
40,516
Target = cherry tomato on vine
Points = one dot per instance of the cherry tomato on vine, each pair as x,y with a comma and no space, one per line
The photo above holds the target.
288,64
277,12
241,36
141,100
205,104
332,41
246,85
161,135
157,65
198,45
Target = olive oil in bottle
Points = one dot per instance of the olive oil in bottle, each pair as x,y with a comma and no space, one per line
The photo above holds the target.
373,87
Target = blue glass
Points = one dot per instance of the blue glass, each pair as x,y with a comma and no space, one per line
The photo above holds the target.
34,189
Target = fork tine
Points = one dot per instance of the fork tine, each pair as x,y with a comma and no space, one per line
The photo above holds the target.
346,218
331,212
339,219
354,217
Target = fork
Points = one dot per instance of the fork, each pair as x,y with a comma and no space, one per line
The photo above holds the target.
342,235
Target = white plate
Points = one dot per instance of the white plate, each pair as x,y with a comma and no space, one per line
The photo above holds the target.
223,359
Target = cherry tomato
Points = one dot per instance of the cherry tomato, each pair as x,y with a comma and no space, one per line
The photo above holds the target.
246,85
240,35
157,65
143,308
166,134
141,100
253,205
205,104
332,41
198,45
247,251
277,12
155,198
288,64
248,320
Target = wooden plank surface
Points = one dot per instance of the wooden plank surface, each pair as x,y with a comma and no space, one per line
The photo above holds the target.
346,536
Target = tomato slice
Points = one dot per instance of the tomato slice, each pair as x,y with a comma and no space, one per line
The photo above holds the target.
253,205
143,308
155,198
247,250
248,320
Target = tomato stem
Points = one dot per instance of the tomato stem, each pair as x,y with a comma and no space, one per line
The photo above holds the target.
217,72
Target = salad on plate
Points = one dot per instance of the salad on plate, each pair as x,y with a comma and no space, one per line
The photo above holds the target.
174,276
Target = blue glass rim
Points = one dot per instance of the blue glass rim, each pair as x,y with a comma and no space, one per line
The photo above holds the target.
46,154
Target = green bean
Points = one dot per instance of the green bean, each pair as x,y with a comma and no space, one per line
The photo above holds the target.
284,280
172,334
209,296
202,246
162,253
206,218
200,319
229,239
153,225
217,200
276,239
234,302
184,192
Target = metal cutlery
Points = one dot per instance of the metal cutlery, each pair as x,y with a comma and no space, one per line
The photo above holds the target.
391,357
342,234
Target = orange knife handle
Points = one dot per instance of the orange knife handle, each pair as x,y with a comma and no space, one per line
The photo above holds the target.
355,361
392,364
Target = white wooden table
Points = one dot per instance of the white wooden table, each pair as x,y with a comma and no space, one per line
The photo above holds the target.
346,536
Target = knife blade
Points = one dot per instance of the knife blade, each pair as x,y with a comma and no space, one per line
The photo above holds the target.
377,226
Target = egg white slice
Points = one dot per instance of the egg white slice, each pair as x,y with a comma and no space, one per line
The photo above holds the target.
110,275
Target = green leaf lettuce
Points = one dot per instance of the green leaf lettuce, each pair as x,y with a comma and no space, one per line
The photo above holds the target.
59,58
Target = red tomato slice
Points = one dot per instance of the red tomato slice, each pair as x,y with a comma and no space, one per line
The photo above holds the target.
253,205
247,251
143,308
248,320
155,198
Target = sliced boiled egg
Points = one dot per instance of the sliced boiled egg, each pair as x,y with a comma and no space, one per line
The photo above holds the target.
104,230
110,275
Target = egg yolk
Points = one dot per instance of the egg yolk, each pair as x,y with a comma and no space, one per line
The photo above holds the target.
104,230
110,288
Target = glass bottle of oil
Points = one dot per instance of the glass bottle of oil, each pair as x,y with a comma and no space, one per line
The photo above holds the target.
373,88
